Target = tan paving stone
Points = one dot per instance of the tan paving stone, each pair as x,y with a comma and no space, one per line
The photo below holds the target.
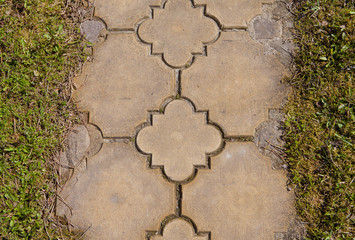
240,198
121,84
117,197
178,31
123,13
179,229
234,13
179,140
236,82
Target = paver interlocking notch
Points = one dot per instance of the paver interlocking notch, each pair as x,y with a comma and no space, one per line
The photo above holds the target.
177,90
178,228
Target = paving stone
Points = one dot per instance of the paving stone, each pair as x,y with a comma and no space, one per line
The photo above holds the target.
232,13
123,13
237,83
91,29
178,31
179,229
117,197
121,84
266,28
179,140
126,190
240,198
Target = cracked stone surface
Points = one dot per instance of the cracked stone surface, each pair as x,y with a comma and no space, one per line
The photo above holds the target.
178,31
181,139
245,199
237,83
114,198
117,96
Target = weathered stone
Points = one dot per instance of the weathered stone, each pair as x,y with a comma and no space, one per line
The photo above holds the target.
91,29
117,197
121,84
240,198
179,31
179,229
237,83
118,193
268,138
179,140
296,231
280,11
123,13
232,13
266,28
78,142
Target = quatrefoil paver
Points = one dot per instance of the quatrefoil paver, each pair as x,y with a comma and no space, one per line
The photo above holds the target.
179,229
179,140
178,31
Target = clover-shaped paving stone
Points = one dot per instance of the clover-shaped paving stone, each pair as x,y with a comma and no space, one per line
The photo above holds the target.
179,229
179,140
179,31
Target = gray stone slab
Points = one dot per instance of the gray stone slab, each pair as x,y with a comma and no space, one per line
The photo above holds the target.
91,29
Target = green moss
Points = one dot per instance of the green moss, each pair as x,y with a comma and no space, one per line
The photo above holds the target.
39,47
320,118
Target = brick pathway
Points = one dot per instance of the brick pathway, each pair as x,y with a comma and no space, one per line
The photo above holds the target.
174,96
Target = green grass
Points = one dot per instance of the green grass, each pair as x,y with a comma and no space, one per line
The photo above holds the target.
39,48
320,118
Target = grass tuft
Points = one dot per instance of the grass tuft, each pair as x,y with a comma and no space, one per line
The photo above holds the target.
40,46
320,118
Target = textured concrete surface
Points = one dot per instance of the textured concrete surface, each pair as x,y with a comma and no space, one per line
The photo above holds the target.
179,140
121,84
186,33
237,83
240,198
114,198
123,14
232,13
181,101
